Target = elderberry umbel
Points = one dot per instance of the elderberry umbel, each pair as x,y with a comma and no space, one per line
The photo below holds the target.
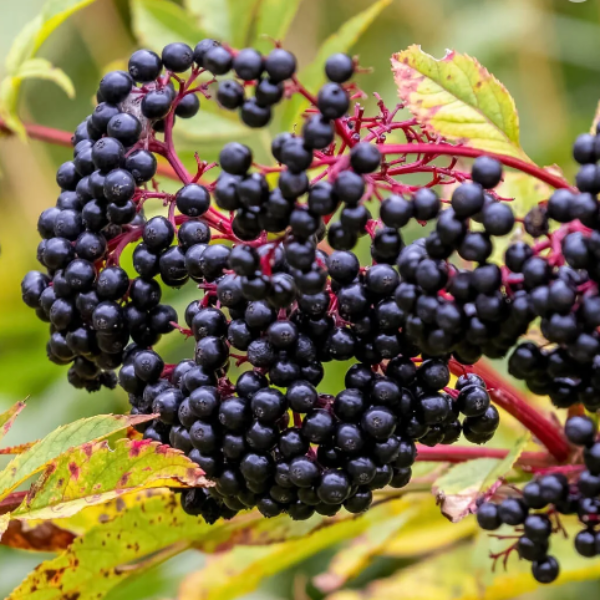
535,511
272,252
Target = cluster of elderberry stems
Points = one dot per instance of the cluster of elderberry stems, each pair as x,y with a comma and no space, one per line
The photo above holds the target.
427,149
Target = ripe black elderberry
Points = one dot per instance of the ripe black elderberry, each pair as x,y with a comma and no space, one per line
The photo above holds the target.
277,299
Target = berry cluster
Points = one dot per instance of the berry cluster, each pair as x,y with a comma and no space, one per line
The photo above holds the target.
283,292
551,495
561,288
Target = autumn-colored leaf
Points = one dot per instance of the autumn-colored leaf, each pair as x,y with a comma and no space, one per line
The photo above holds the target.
60,440
94,472
42,537
7,418
149,531
457,98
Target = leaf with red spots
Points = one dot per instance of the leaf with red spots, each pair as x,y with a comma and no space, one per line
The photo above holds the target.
95,473
145,533
459,99
8,417
36,457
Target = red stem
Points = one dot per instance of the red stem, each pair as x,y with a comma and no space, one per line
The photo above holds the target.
456,454
63,138
510,399
448,150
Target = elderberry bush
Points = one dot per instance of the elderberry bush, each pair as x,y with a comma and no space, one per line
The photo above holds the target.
535,511
283,292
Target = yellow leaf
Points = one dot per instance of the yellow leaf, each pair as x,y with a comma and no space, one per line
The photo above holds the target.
142,534
7,418
94,473
34,459
427,531
358,554
241,570
465,573
458,99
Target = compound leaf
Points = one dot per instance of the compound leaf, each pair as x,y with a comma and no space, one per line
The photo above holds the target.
94,473
59,441
40,68
458,99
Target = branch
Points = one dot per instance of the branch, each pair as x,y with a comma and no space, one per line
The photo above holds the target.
510,399
447,150
457,454
63,138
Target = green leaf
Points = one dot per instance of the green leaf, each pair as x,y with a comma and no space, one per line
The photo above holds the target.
157,23
242,570
507,463
127,542
59,441
212,125
526,192
226,20
596,120
7,418
313,76
40,68
459,487
273,21
37,31
458,99
94,473
21,64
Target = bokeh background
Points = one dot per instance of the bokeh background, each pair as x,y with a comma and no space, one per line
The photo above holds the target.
546,52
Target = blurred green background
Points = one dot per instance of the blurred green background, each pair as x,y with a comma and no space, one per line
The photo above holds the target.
546,52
